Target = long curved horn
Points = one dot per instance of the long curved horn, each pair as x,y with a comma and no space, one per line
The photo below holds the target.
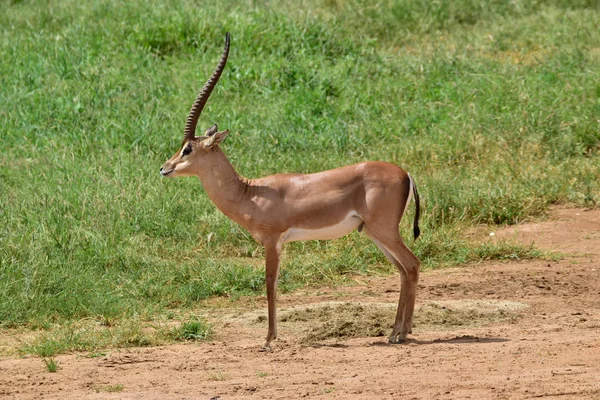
192,119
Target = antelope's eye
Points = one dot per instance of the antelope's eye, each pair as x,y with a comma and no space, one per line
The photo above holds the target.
187,150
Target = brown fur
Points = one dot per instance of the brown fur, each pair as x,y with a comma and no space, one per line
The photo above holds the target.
268,207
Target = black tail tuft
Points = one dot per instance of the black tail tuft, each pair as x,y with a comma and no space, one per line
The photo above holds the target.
416,229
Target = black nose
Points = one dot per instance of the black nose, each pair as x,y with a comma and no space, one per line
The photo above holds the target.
161,168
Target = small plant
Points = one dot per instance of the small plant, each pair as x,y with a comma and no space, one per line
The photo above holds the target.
114,388
194,329
261,374
95,354
51,364
216,376
44,347
109,388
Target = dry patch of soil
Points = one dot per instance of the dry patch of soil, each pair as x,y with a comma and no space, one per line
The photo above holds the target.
496,331
318,322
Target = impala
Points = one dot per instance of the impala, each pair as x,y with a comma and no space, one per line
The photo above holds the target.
370,197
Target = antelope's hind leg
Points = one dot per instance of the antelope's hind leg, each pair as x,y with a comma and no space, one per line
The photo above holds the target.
408,265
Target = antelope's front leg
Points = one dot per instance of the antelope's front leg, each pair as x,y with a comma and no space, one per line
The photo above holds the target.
272,273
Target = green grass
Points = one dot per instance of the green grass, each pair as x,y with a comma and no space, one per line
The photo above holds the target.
493,106
92,335
194,329
51,364
109,388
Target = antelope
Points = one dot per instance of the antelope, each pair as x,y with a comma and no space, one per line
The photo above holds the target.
277,209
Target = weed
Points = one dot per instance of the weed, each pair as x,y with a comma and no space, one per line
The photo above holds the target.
216,376
46,348
194,329
109,388
95,354
51,364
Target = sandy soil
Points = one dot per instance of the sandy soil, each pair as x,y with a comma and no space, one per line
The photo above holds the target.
509,330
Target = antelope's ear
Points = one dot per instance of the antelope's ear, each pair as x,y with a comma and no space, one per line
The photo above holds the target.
211,131
216,138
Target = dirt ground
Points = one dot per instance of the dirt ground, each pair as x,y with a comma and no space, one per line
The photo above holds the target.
506,330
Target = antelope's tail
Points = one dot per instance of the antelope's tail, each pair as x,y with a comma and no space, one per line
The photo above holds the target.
415,193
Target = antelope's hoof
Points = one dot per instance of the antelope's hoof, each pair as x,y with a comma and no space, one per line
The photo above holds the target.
396,339
266,348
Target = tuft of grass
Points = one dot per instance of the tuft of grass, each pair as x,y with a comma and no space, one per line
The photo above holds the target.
109,388
47,348
195,329
95,354
217,376
506,250
51,364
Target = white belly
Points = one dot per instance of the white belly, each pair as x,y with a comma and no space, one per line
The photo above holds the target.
344,227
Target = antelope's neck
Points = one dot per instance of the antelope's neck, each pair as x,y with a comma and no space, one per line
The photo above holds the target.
225,187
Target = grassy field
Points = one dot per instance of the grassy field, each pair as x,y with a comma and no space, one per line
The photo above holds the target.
493,106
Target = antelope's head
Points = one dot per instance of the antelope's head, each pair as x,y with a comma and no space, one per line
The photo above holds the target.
194,148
